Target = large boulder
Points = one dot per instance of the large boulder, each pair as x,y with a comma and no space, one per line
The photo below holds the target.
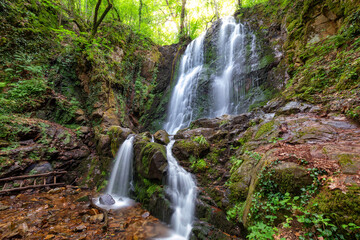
150,159
185,148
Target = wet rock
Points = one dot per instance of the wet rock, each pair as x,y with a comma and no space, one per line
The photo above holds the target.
84,130
80,116
110,118
186,134
273,105
150,159
117,136
206,123
97,114
103,142
215,216
161,137
39,168
205,231
160,207
293,107
241,119
106,199
145,215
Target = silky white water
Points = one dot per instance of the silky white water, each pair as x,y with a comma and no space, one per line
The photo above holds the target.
120,181
180,111
231,48
226,92
182,191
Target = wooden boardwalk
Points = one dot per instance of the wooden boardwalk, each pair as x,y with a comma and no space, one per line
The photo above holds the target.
40,181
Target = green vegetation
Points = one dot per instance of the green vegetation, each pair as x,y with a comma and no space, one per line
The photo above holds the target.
270,207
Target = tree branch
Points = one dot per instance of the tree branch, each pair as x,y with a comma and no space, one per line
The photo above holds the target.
97,23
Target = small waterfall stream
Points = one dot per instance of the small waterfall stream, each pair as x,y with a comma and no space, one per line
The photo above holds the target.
231,44
120,181
182,191
180,112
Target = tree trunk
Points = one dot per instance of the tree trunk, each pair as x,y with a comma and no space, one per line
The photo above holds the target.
182,19
96,21
239,3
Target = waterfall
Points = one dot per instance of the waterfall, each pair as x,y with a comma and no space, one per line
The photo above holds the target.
121,175
227,86
180,111
182,191
207,90
120,181
228,92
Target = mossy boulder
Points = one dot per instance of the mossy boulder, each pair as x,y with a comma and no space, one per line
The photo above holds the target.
342,208
349,163
150,159
289,177
161,137
185,148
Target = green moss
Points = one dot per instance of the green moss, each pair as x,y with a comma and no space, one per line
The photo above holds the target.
266,60
199,165
147,153
341,208
345,159
264,129
192,147
145,189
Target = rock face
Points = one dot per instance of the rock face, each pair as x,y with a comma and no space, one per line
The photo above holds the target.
106,199
40,140
227,155
250,77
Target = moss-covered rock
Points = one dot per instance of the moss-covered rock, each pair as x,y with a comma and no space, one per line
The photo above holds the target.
161,137
150,159
289,177
341,208
350,163
185,148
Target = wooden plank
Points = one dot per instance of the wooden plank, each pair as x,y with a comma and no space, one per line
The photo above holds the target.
30,187
32,176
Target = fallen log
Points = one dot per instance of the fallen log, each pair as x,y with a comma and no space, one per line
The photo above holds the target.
105,212
30,187
32,176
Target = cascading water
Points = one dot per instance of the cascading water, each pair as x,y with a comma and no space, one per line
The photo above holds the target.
121,176
181,186
227,90
182,191
180,112
231,45
217,83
